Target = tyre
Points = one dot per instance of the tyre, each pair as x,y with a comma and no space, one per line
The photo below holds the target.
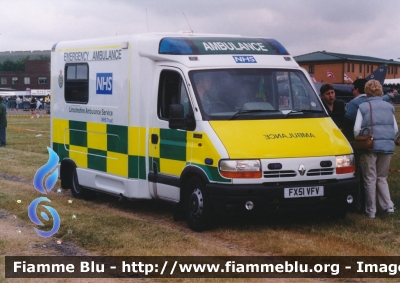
77,190
341,212
197,205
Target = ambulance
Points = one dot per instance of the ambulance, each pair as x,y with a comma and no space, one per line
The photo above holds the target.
216,124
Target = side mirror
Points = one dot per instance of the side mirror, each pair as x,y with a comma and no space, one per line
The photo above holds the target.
176,116
177,119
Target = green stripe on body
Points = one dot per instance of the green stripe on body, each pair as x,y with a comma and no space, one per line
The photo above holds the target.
97,159
60,150
117,138
212,173
137,167
173,144
77,133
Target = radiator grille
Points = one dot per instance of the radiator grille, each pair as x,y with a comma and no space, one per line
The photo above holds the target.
280,174
320,172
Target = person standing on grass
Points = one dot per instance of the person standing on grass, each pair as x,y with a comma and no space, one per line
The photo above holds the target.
376,113
3,123
349,120
18,101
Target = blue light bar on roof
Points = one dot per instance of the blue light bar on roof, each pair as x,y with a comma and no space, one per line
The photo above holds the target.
176,46
220,45
278,47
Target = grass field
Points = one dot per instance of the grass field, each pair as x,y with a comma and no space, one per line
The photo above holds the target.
105,226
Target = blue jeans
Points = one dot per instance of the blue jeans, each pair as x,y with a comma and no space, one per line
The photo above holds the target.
2,136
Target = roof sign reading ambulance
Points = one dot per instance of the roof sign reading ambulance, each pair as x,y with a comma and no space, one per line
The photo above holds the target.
215,45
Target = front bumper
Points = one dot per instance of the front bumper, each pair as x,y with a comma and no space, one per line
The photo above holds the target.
228,199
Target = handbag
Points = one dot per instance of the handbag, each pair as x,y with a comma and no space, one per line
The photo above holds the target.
397,141
366,141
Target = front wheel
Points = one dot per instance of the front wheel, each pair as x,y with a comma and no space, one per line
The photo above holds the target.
340,212
197,205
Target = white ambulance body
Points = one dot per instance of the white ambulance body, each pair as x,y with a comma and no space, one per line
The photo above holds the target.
216,124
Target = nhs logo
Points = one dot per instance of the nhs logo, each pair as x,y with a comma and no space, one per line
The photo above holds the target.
244,59
104,83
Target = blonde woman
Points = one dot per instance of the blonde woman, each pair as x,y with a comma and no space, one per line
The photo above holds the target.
375,164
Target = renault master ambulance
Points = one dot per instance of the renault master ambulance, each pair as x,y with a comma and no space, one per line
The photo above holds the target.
217,124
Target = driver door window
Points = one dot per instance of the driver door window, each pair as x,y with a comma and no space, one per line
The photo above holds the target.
172,90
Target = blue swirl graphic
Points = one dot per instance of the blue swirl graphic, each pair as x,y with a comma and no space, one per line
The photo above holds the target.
44,170
54,214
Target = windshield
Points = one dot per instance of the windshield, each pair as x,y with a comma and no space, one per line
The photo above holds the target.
255,94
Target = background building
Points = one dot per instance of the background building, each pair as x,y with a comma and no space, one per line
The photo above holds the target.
25,70
339,68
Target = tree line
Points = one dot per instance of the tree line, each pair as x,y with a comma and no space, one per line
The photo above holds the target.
18,65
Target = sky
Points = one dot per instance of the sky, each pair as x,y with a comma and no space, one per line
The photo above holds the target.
358,27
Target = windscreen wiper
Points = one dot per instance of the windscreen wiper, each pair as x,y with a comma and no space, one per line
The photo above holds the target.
244,112
303,111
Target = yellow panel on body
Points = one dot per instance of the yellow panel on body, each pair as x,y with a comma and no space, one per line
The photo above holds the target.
142,143
201,147
97,136
133,138
281,138
117,164
137,141
59,132
171,167
154,149
79,155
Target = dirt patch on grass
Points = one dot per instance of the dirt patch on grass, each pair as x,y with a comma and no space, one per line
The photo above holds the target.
13,178
21,239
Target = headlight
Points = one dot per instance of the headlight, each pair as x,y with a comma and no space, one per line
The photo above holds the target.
240,168
345,164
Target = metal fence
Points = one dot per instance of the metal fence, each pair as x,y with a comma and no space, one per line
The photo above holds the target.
11,104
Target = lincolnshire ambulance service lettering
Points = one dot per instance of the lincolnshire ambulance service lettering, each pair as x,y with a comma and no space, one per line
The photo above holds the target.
103,55
288,136
105,115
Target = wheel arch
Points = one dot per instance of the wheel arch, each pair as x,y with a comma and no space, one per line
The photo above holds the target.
67,166
189,172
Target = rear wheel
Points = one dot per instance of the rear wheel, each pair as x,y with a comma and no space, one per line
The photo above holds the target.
197,205
77,190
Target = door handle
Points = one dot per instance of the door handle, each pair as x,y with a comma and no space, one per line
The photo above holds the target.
154,138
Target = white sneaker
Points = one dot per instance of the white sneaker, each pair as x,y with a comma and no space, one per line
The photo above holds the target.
390,210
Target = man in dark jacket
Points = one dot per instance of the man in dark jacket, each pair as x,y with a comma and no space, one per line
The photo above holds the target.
3,123
334,107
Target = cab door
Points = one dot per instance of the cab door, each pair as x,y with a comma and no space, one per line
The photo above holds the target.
169,150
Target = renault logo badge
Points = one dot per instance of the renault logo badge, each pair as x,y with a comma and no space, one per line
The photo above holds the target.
302,169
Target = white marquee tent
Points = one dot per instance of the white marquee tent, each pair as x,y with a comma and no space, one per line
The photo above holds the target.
391,82
33,92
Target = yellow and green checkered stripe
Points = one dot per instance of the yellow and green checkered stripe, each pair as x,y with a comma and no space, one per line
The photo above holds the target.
177,149
102,147
121,150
